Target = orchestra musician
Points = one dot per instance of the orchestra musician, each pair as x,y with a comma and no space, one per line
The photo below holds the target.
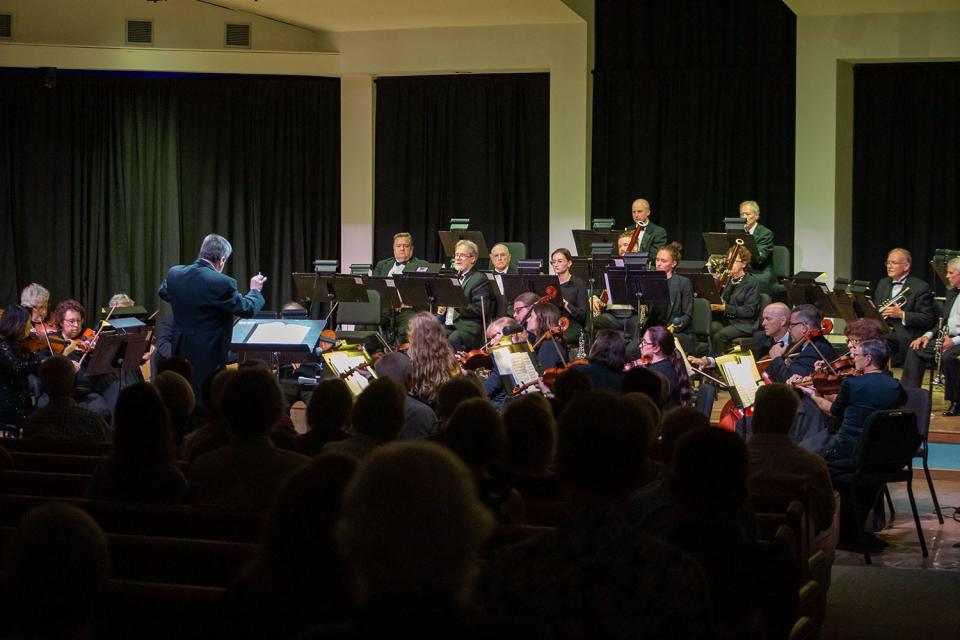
500,259
679,310
91,391
465,325
775,329
36,298
394,321
659,347
922,349
204,303
804,319
16,365
762,263
917,313
741,301
605,361
652,236
573,290
551,352
616,317
432,361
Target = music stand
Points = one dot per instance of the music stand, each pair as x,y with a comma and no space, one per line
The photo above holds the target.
635,287
283,339
516,283
802,288
584,239
704,286
119,352
387,288
734,224
449,240
865,307
430,291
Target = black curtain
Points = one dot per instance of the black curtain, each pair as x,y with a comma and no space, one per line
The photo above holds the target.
472,147
694,107
108,179
906,163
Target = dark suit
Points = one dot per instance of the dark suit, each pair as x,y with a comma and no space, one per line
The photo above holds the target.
761,265
917,360
501,306
654,238
395,322
678,311
467,332
739,317
921,315
204,302
801,363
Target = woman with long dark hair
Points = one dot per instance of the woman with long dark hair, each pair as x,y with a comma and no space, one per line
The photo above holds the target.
605,362
16,365
658,345
431,358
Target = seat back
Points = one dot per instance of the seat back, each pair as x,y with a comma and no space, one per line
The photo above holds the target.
518,251
706,396
889,442
780,259
700,322
919,402
361,313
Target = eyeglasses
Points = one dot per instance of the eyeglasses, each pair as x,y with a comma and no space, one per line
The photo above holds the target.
891,263
797,324
463,255
77,321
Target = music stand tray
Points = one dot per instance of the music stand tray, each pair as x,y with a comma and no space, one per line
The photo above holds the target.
449,240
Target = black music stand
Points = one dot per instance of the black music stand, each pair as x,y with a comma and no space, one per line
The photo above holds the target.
636,286
865,307
705,286
516,283
720,243
283,340
802,288
387,288
584,239
120,352
430,291
449,240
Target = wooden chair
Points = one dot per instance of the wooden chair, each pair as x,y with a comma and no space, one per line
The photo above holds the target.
38,483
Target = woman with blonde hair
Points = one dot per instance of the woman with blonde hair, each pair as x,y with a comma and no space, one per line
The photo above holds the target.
431,357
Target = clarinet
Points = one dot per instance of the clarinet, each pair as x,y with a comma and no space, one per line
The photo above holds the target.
938,352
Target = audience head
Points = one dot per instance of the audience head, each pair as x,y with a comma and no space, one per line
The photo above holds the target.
675,424
177,395
14,323
58,376
378,411
177,364
252,402
330,406
643,405
571,384
454,391
649,383
774,408
602,446
609,350
531,433
708,474
57,566
475,433
142,433
413,523
393,365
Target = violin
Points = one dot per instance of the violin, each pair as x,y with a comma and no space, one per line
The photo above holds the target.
550,376
827,382
642,361
475,359
44,335
352,370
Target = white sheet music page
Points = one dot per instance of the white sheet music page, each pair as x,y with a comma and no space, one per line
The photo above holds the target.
278,333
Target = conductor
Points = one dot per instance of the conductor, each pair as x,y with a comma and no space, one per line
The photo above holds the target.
204,302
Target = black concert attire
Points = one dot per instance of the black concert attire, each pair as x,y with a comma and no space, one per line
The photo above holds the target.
394,321
651,239
678,311
742,299
574,292
16,365
801,362
917,360
919,309
465,325
665,368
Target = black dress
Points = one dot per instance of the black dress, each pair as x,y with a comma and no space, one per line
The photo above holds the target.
16,364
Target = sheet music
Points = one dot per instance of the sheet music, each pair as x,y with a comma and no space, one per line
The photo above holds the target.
346,360
517,364
741,373
278,333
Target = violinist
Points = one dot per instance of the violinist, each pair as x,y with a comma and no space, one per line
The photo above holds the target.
737,314
859,396
36,298
775,329
543,320
605,362
659,347
16,365
432,360
493,384
679,310
573,290
804,327
89,394
652,236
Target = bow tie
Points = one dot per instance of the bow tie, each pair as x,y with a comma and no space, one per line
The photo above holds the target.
400,264
899,283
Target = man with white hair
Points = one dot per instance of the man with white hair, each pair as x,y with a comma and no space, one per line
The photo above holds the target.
204,303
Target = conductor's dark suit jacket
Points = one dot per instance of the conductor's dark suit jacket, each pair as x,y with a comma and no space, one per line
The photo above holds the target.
204,303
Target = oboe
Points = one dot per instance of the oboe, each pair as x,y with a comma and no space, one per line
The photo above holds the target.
938,352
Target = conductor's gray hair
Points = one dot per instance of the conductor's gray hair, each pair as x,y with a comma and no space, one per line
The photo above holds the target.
215,247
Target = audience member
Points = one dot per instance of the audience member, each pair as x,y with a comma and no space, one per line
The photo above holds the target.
177,364
62,418
411,529
531,442
212,433
377,419
57,565
475,433
645,381
597,575
328,416
568,386
778,467
454,391
141,467
177,394
247,472
419,419
6,461
753,584
297,578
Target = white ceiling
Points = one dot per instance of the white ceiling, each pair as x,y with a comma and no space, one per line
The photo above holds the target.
852,7
375,15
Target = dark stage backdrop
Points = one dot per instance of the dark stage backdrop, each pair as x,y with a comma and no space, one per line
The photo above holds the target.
473,147
107,180
906,164
693,109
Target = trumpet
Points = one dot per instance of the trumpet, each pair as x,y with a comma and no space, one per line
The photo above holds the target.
897,300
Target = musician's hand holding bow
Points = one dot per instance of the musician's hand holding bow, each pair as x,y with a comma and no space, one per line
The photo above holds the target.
257,281
778,350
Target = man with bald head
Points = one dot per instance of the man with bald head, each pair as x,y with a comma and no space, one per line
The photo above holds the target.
916,314
774,329
500,259
652,237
